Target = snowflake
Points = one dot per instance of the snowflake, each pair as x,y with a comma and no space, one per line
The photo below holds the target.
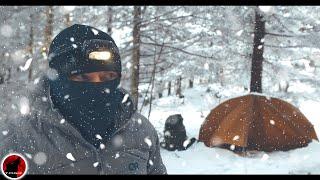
186,143
117,141
74,46
235,138
24,106
28,155
260,47
272,122
62,121
72,39
26,65
117,156
5,133
44,99
148,141
95,164
70,157
167,133
40,158
232,147
206,66
66,96
98,136
107,90
239,33
219,33
151,162
102,146
128,65
95,32
125,98
36,81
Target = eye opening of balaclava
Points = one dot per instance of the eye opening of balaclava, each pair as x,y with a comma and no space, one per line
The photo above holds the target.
91,107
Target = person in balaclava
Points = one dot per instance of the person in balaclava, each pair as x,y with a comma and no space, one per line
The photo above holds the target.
81,121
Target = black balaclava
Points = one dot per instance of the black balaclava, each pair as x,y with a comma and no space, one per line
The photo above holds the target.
91,107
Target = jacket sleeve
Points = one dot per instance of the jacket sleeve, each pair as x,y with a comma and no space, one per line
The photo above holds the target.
155,164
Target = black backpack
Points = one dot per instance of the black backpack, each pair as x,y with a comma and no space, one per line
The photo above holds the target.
175,137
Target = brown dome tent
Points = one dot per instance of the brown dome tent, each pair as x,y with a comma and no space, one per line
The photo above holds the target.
255,122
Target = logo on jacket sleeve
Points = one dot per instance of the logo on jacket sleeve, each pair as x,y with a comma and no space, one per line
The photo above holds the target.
14,166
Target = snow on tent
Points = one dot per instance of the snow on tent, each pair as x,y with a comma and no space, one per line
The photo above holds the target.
256,122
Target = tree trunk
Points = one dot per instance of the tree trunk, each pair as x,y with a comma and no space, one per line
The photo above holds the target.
169,88
136,55
109,21
30,46
178,85
190,83
67,19
48,29
257,55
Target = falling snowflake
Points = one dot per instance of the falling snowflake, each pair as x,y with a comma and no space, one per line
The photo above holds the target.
6,31
74,46
24,106
62,121
26,65
239,33
117,156
95,164
40,158
219,33
235,138
117,141
128,65
167,133
148,141
186,143
28,155
272,122
139,121
70,157
102,146
151,162
95,32
66,96
5,133
262,40
232,147
206,66
265,157
125,98
107,90
72,39
260,47
98,136
36,81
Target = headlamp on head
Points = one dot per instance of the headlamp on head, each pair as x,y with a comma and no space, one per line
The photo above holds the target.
100,55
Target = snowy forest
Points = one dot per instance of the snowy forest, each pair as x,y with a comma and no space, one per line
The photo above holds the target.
183,60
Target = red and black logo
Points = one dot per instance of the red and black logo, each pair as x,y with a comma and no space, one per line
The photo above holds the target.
14,166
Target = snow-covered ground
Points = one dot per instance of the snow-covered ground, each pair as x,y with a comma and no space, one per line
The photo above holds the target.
199,159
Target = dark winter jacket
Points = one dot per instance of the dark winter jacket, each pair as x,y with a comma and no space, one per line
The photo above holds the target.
52,146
